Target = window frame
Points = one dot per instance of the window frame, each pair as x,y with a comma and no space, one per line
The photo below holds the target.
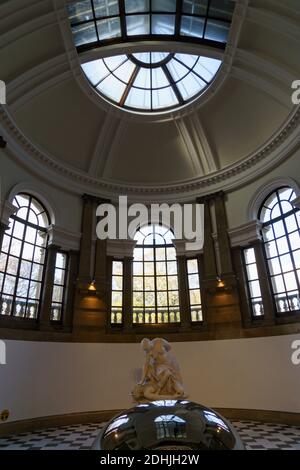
64,286
196,322
26,223
248,291
117,324
165,309
288,313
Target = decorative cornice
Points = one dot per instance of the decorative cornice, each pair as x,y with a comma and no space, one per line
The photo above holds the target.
6,211
120,248
65,239
245,234
230,177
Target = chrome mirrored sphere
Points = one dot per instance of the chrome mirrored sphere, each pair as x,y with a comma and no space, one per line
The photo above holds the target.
168,425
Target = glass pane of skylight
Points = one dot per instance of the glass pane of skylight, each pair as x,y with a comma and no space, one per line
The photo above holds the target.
135,6
159,78
217,31
138,24
112,87
192,26
163,24
125,71
204,71
187,59
143,57
143,79
95,71
106,8
195,7
210,64
163,98
84,33
190,86
158,56
109,28
138,99
80,11
164,5
177,70
221,9
113,62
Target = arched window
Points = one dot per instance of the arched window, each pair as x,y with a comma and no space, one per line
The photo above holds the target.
155,280
281,234
22,258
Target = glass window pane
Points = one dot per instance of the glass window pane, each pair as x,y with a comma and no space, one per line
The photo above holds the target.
278,228
117,283
192,26
149,299
22,287
162,299
148,254
117,267
12,265
84,33
140,99
159,78
278,284
290,281
135,6
106,8
271,249
217,31
195,297
116,299
138,25
109,28
9,284
37,271
274,266
165,5
172,267
28,251
163,24
137,268
161,282
138,283
138,299
286,263
192,266
35,290
207,68
80,11
30,234
61,260
18,230
190,85
149,268
39,255
193,281
172,282
112,87
143,78
294,240
195,7
95,71
163,98
252,272
173,298
149,283
125,71
254,289
282,245
160,254
171,254
291,223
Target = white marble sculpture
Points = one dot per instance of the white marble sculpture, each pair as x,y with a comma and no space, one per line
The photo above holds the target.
161,378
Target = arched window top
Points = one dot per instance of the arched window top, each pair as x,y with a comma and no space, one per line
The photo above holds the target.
30,210
154,235
277,205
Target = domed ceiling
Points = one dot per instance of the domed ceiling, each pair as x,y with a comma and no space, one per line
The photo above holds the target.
59,126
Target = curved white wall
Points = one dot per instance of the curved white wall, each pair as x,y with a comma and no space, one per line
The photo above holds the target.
42,379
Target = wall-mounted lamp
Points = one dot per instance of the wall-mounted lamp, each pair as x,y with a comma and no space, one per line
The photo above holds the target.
221,283
92,288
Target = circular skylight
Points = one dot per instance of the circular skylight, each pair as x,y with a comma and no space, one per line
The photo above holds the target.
151,81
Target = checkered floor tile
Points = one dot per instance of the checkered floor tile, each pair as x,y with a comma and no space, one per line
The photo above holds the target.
256,436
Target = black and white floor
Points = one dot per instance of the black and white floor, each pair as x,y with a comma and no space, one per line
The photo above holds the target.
256,436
